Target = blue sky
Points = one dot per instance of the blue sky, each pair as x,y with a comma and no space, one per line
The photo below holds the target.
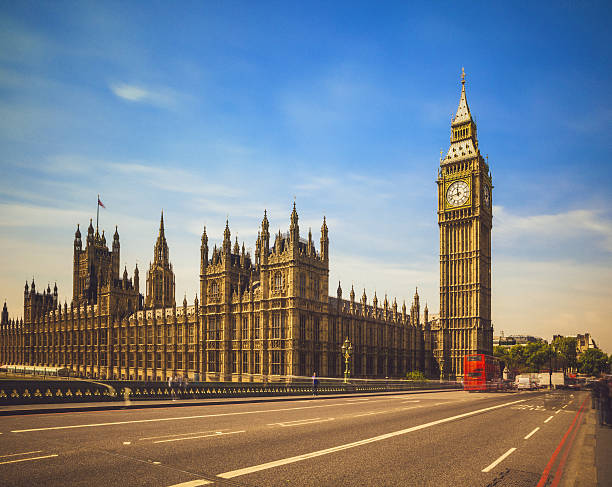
221,109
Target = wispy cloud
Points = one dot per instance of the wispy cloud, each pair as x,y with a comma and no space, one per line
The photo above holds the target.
510,227
160,97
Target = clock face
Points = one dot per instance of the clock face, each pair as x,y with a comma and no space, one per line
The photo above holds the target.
457,193
487,196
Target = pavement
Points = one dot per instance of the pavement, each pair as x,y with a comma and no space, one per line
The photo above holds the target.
452,439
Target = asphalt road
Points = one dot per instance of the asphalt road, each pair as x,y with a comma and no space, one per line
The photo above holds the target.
442,439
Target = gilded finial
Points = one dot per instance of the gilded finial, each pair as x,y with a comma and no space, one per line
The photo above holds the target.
462,76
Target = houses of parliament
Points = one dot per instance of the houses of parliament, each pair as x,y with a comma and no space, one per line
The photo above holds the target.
269,316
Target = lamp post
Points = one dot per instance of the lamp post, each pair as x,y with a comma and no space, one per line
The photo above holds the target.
347,351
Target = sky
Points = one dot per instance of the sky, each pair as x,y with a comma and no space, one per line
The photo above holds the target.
219,110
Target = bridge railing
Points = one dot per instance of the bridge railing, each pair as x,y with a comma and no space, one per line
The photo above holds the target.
62,391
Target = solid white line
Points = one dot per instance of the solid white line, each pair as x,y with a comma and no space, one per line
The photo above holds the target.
27,459
285,461
24,453
531,434
202,436
547,420
499,460
115,423
192,483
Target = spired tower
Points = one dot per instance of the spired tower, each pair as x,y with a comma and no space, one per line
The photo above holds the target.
160,277
465,220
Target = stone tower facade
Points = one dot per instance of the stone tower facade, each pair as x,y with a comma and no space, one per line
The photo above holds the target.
465,220
160,277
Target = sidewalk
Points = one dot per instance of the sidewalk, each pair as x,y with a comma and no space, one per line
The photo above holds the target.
19,409
590,462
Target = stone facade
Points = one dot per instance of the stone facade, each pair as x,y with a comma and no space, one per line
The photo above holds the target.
267,316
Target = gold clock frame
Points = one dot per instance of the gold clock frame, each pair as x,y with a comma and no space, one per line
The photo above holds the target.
447,183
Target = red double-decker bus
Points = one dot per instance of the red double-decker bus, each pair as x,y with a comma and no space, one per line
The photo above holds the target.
481,373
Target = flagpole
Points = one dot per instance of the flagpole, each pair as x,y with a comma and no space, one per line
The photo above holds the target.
97,213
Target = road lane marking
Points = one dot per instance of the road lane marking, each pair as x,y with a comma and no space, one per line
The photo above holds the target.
531,434
200,436
412,400
306,456
548,419
564,406
558,411
127,442
179,434
28,459
288,424
192,483
498,461
24,453
200,416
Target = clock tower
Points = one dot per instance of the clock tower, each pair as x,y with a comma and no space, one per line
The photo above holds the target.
465,219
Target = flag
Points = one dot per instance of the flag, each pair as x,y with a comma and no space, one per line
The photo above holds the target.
100,203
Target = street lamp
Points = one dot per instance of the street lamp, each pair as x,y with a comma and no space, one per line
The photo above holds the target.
347,351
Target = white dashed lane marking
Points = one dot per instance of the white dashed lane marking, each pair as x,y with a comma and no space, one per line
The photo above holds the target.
498,461
531,434
28,459
192,483
216,434
548,419
17,454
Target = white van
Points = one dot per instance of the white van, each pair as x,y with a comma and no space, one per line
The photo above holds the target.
526,383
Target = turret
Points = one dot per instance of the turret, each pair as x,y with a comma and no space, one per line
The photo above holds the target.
339,292
324,242
227,241
77,239
90,233
204,252
26,290
136,279
5,316
426,314
265,238
236,246
116,256
310,245
294,229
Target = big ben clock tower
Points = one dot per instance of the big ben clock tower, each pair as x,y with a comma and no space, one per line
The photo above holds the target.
465,219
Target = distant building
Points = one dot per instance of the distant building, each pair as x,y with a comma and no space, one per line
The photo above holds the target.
510,340
583,342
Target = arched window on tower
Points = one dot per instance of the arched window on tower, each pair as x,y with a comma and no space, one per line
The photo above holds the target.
278,281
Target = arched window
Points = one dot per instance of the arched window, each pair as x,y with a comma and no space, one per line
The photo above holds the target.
278,281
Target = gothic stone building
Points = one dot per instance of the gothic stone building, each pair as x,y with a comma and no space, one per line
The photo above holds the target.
267,315
270,315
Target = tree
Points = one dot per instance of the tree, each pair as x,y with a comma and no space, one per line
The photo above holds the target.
566,347
593,362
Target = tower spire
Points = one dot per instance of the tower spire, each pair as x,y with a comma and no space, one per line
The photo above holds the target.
463,114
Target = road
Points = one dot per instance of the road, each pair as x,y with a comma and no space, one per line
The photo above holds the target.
442,439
